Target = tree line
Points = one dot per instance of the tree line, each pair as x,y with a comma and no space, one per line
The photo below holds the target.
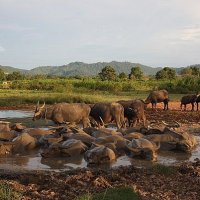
109,73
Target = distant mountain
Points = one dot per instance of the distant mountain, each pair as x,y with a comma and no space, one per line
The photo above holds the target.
8,69
84,69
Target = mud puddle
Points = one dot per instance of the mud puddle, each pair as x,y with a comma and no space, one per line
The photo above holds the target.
33,161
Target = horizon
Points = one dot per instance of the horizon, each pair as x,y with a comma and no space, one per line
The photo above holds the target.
95,63
156,33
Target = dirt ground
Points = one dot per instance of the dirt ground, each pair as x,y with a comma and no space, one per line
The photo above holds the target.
180,184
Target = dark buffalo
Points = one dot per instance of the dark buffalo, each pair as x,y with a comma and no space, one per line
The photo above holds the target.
197,101
107,112
158,96
189,99
134,111
64,112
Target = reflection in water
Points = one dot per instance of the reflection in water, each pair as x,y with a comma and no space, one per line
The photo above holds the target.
64,162
15,114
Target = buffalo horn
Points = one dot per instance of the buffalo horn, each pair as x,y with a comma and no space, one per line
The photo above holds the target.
102,121
43,105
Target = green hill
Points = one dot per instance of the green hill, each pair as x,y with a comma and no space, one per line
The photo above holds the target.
85,69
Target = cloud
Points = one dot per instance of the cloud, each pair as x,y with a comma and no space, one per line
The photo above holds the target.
14,27
184,35
1,49
190,34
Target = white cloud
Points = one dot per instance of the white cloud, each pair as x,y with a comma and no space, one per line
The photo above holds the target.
190,34
2,49
14,27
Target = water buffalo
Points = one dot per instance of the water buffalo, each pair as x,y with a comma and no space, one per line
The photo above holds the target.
134,111
64,112
197,102
158,96
107,112
99,155
4,126
171,140
192,98
68,148
143,148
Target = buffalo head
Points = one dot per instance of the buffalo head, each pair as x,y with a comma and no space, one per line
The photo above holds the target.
39,111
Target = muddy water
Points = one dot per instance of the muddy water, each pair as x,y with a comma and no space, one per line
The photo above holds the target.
9,114
33,161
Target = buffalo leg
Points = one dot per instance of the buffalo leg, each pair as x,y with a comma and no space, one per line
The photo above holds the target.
197,106
192,106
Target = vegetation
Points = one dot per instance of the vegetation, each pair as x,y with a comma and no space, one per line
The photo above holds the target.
112,194
136,73
108,86
2,75
190,71
166,73
162,169
7,193
108,73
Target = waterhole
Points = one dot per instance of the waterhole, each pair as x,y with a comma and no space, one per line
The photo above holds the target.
33,160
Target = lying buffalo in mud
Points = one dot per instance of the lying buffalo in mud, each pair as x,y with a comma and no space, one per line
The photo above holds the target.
158,96
143,148
4,126
189,99
134,111
6,148
64,112
68,148
171,140
99,155
107,112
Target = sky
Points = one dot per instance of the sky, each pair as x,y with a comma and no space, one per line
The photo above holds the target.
157,33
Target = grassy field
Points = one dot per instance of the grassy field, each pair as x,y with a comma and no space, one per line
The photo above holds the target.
112,194
17,97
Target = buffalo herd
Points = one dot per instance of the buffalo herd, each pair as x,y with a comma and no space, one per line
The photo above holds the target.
81,130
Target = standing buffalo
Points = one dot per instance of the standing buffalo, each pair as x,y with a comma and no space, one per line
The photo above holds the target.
192,98
197,101
158,96
64,112
134,111
107,112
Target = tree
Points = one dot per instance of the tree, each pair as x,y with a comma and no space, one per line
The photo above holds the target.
136,73
186,71
166,73
108,73
122,76
15,76
2,75
195,71
191,71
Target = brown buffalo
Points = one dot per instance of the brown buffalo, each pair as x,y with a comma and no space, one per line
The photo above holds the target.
134,111
99,155
143,148
158,96
107,112
64,112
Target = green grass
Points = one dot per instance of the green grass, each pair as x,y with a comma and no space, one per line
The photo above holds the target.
125,193
162,169
16,97
7,193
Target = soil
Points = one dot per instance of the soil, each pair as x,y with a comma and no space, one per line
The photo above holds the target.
182,183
